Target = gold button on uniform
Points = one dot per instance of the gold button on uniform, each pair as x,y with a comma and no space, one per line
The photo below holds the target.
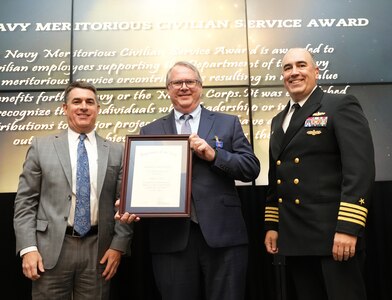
279,181
296,181
280,200
296,160
278,162
297,201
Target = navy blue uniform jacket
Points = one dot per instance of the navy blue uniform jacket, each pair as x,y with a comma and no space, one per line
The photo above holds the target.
321,174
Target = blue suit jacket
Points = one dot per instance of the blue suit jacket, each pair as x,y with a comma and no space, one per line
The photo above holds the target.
217,203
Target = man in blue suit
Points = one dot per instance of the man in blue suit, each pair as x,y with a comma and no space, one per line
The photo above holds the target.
206,257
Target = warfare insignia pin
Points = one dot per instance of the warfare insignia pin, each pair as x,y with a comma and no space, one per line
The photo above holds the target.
313,132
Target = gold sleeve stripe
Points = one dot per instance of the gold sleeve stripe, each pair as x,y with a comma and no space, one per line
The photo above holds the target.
354,206
355,211
271,216
272,212
272,220
354,216
271,208
351,220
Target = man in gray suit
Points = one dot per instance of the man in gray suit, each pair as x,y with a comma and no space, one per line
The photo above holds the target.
61,262
205,257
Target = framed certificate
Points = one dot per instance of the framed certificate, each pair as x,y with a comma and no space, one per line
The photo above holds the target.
156,176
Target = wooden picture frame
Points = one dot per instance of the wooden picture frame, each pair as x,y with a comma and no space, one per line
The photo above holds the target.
157,172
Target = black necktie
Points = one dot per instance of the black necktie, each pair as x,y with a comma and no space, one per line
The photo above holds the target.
296,107
286,123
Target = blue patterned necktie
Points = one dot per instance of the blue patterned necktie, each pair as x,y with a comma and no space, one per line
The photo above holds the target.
82,221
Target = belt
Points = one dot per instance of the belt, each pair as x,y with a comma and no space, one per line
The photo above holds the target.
71,231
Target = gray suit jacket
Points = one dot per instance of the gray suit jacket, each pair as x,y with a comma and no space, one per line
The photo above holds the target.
43,199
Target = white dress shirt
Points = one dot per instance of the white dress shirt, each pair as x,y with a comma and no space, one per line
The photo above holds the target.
194,121
289,114
91,146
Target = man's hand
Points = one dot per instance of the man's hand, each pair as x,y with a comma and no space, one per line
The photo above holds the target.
112,259
271,241
343,246
201,148
125,217
32,265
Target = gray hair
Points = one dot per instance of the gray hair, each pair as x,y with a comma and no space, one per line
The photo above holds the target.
186,65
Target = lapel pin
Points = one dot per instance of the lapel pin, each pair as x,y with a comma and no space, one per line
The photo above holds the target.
218,142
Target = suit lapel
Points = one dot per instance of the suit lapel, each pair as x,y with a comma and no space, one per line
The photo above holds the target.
103,155
62,148
207,119
277,134
169,124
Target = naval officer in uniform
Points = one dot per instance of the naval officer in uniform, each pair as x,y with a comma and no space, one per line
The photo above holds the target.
320,182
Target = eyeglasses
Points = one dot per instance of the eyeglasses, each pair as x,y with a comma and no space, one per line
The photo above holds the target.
190,83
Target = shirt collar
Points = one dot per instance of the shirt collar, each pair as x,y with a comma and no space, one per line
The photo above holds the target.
194,113
302,102
75,136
